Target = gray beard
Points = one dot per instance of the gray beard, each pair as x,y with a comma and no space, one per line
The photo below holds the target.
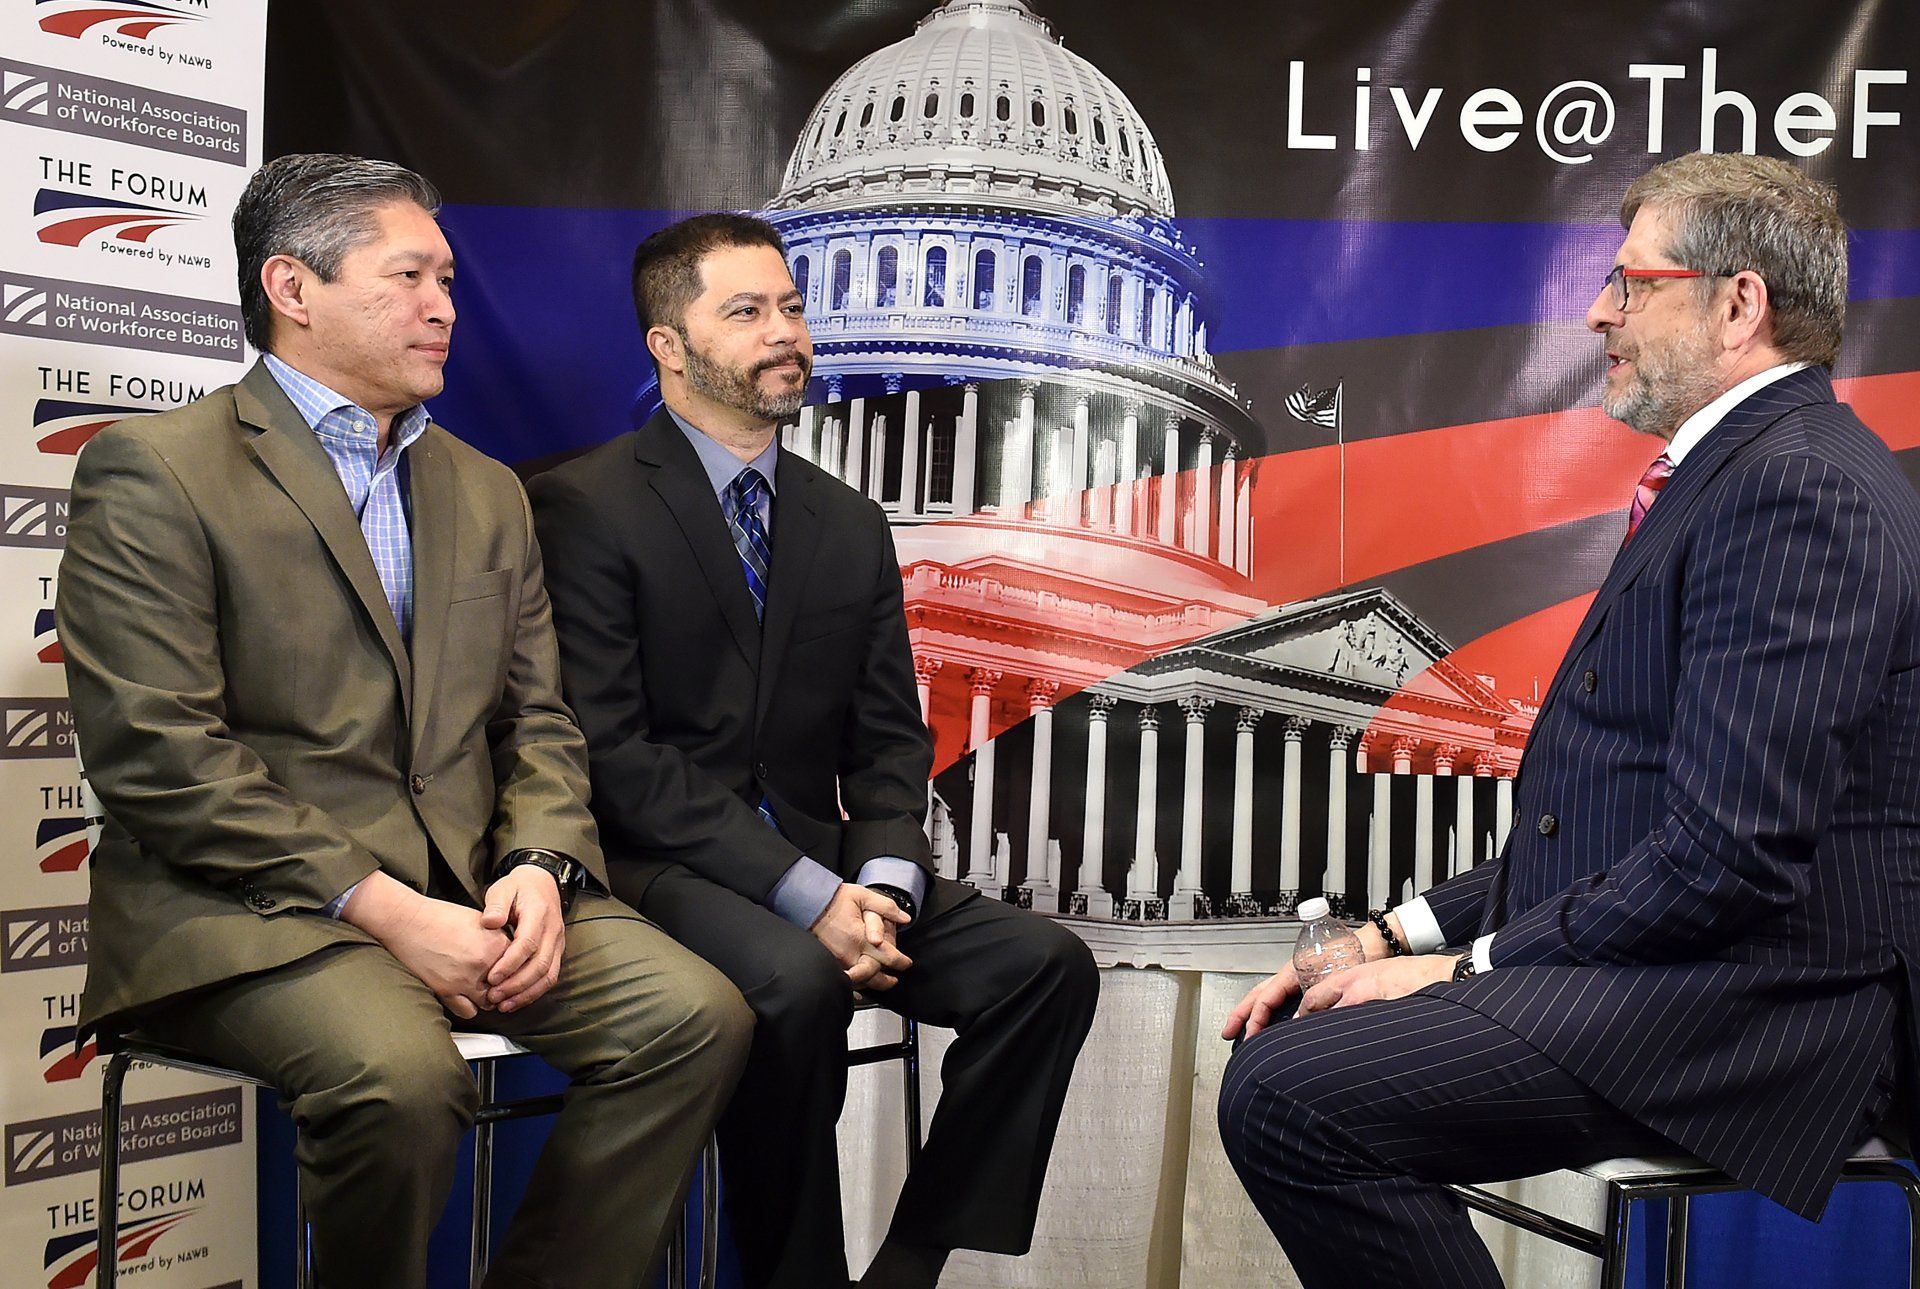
1670,383
740,390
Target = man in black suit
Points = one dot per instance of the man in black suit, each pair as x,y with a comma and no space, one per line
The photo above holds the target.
733,640
1703,929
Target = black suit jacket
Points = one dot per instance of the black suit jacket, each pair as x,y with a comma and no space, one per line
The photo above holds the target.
1709,908
692,708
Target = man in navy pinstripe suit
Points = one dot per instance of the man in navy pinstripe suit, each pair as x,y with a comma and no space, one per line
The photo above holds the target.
1705,928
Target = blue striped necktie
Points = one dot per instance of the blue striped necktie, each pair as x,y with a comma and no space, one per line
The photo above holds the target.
750,539
749,535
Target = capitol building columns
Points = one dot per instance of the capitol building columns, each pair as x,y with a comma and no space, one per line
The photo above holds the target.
1091,897
1333,882
966,441
1253,842
1241,901
1041,889
1189,901
980,856
1143,872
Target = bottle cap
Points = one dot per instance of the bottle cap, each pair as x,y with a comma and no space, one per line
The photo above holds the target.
1313,909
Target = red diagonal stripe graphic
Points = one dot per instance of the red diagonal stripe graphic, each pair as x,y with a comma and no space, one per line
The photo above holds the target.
1425,494
69,441
77,22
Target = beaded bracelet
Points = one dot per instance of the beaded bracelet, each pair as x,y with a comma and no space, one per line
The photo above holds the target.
1379,919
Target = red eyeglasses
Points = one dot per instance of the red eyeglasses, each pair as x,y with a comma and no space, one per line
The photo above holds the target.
1617,280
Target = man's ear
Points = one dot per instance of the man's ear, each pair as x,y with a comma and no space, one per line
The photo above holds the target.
667,348
1746,311
286,280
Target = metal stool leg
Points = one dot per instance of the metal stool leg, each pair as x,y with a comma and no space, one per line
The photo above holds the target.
480,1234
677,1253
1613,1258
1911,1189
710,1214
1677,1208
910,1076
304,1274
107,1246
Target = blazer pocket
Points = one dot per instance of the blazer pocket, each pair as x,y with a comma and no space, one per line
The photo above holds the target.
481,585
814,626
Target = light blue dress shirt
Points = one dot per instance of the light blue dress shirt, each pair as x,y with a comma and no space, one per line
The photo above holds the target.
375,485
804,890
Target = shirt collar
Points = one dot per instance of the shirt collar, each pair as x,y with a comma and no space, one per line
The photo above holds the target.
317,405
1701,423
722,466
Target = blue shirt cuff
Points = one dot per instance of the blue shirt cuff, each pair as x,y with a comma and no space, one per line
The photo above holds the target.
891,870
803,892
333,907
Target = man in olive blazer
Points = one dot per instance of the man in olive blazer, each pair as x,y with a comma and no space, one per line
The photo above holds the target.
345,801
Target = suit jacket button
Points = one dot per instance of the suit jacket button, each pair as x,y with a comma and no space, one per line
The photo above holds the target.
1590,681
1548,825
418,782
260,901
760,769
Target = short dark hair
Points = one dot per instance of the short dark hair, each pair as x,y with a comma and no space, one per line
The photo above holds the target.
314,206
666,266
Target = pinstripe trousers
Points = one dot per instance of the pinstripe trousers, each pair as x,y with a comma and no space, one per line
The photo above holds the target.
1344,1126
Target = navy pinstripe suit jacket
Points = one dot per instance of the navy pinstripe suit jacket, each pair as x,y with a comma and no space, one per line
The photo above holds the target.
1709,908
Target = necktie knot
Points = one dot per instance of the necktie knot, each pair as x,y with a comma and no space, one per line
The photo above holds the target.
746,488
1650,485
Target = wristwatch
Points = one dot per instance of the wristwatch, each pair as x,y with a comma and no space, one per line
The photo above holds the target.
898,896
569,873
1463,968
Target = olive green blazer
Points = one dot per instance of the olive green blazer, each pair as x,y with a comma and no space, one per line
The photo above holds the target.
258,732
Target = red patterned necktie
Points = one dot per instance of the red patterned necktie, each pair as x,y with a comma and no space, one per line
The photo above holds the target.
1650,485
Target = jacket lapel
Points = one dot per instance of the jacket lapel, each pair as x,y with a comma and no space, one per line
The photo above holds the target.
1667,519
431,487
682,484
288,450
795,536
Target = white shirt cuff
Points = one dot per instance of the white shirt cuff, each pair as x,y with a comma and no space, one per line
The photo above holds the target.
1420,926
1483,954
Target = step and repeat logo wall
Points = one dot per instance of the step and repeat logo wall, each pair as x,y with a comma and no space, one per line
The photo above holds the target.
127,131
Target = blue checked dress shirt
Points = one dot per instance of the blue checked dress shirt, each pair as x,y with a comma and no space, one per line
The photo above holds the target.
374,484
376,489
804,890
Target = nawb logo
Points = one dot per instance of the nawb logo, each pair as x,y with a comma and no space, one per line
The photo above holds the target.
61,844
62,218
60,1060
46,639
133,19
71,1259
62,428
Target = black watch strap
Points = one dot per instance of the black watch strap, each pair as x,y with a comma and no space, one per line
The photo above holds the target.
567,872
898,896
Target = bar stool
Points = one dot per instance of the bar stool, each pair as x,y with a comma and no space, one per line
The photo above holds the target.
906,1051
1676,1179
481,1051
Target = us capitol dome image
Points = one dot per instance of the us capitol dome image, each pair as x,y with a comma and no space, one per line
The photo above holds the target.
1011,359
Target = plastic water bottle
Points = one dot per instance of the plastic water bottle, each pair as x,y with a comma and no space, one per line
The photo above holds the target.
1326,945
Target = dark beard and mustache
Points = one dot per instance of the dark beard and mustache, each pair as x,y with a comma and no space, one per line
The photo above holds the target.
739,387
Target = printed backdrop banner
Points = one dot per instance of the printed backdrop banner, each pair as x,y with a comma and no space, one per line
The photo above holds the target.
1224,378
126,132
1220,368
